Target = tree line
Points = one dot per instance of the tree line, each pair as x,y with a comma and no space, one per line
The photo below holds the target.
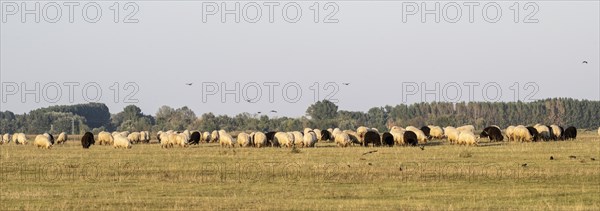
95,117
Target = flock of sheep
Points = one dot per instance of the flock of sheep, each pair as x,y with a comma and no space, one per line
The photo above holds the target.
363,136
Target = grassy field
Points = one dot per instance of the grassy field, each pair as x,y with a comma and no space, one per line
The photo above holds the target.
207,177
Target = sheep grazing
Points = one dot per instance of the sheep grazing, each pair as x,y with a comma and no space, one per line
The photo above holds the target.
398,136
298,138
557,132
87,140
19,139
388,139
43,141
5,138
145,137
175,139
410,138
427,131
520,133
259,139
372,137
105,138
225,139
451,134
326,136
271,139
283,139
467,138
164,140
543,132
354,137
205,137
343,139
420,135
570,133
244,140
214,136
134,137
466,128
310,139
195,138
62,138
361,131
318,134
510,133
534,133
436,132
121,142
493,133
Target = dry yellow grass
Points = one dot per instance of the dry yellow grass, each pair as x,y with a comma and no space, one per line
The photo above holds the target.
207,177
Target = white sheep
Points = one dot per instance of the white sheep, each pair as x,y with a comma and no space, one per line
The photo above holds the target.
244,140
284,139
335,132
177,139
318,133
134,137
398,135
466,128
310,139
214,136
225,139
354,137
342,140
106,138
420,134
556,131
451,134
205,137
467,138
20,138
361,131
436,132
5,138
43,141
522,134
510,133
62,138
121,142
164,140
259,139
298,138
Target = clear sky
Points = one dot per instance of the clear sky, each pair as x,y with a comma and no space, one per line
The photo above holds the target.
383,57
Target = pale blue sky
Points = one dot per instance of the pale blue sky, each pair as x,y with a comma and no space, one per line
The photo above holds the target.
370,48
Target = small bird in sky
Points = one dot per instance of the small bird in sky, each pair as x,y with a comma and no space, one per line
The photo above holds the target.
346,84
249,101
189,84
259,112
273,111
585,62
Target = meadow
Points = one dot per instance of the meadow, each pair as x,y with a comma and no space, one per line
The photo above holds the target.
492,176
